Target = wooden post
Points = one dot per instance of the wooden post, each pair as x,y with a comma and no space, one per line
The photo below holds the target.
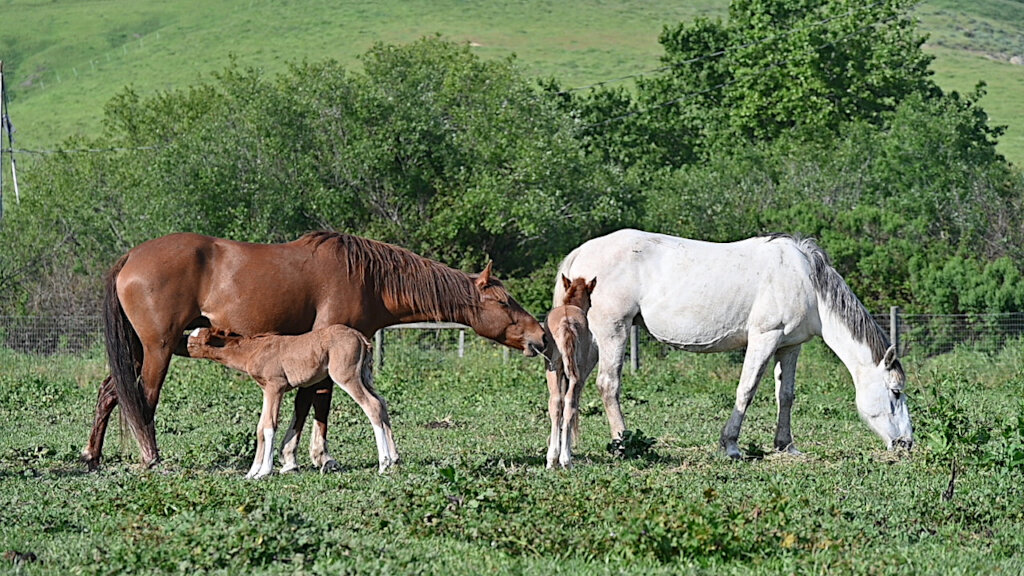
378,350
462,343
634,348
894,327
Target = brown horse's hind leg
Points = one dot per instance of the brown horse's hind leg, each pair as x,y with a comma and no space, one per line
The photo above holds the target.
317,397
292,435
155,362
105,403
322,393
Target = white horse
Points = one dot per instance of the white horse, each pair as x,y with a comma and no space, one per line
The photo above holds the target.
769,294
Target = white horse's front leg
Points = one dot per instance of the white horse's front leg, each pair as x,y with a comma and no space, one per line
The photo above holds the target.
785,377
555,401
759,351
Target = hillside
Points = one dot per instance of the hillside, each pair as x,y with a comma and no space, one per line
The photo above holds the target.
63,60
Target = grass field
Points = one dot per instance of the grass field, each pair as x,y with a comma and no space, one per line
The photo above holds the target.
65,60
472,495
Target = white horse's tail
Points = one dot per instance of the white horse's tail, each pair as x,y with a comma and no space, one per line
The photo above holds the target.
563,270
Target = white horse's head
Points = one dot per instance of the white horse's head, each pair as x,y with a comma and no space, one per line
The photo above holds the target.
882,403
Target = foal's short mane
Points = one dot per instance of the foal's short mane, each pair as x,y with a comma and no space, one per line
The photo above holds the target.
576,294
836,294
403,276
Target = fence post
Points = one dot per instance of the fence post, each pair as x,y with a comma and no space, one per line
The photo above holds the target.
462,343
378,349
894,327
634,348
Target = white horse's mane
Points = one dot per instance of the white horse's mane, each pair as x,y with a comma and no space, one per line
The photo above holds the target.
836,294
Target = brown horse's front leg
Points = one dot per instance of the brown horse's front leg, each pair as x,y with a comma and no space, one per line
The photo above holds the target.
105,403
322,393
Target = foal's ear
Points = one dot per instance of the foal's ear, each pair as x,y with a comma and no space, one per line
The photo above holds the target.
890,358
485,277
565,282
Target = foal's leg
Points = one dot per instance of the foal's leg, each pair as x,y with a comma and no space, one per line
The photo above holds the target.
760,348
358,382
318,438
556,395
105,403
317,397
290,444
785,378
263,463
570,412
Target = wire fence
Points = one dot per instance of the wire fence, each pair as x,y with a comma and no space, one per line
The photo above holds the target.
918,335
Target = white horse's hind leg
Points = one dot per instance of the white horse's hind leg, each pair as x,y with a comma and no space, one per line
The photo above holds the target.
612,347
785,378
759,351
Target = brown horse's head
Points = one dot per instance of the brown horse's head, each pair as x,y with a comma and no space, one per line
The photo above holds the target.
500,318
577,292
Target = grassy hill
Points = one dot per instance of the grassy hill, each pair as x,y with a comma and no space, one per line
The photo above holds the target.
64,60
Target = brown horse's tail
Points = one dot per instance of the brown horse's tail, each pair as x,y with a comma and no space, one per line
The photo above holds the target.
124,355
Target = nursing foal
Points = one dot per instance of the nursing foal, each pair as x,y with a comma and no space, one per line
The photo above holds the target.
279,363
570,346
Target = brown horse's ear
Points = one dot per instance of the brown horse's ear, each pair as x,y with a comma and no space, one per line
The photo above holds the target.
566,282
591,285
485,277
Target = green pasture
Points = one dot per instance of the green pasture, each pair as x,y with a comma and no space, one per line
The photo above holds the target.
65,60
472,495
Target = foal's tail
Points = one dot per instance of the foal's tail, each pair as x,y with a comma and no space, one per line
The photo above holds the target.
124,354
568,336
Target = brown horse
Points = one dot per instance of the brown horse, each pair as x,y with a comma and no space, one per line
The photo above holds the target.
168,285
280,363
569,347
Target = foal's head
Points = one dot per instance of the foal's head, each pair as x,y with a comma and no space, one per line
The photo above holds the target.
203,339
577,292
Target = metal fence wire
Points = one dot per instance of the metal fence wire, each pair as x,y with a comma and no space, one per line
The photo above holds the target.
919,335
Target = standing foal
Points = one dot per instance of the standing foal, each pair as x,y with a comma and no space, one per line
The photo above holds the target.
571,345
280,363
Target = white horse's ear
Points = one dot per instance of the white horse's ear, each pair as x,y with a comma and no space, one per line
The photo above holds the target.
592,284
890,358
565,282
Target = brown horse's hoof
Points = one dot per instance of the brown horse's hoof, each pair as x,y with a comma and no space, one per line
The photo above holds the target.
91,461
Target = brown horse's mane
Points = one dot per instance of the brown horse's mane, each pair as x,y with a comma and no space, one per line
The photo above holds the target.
440,292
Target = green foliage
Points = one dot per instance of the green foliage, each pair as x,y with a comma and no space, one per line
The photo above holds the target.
431,148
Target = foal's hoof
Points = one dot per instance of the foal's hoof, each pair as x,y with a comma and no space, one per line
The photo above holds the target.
288,469
330,466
